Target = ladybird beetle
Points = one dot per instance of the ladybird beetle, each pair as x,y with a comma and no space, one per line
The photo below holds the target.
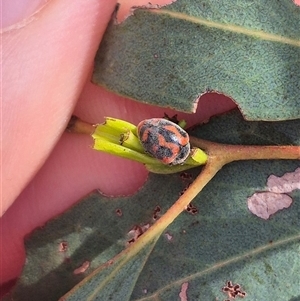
164,140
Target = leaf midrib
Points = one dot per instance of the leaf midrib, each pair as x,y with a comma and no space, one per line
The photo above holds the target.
259,34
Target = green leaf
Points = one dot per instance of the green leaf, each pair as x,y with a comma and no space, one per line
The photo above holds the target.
248,51
223,242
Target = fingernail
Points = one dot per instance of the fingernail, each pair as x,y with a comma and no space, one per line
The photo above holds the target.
14,11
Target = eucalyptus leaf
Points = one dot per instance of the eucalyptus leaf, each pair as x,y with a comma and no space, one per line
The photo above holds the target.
247,50
221,241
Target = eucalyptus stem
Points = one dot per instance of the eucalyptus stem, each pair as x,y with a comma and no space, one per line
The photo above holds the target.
229,153
109,141
78,126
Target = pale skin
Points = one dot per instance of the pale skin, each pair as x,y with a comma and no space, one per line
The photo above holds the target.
47,63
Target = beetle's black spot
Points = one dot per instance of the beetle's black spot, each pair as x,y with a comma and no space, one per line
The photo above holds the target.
163,152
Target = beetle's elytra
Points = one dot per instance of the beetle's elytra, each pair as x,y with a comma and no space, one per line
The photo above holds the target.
164,140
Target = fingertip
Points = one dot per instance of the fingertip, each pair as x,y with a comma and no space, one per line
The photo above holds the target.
46,62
